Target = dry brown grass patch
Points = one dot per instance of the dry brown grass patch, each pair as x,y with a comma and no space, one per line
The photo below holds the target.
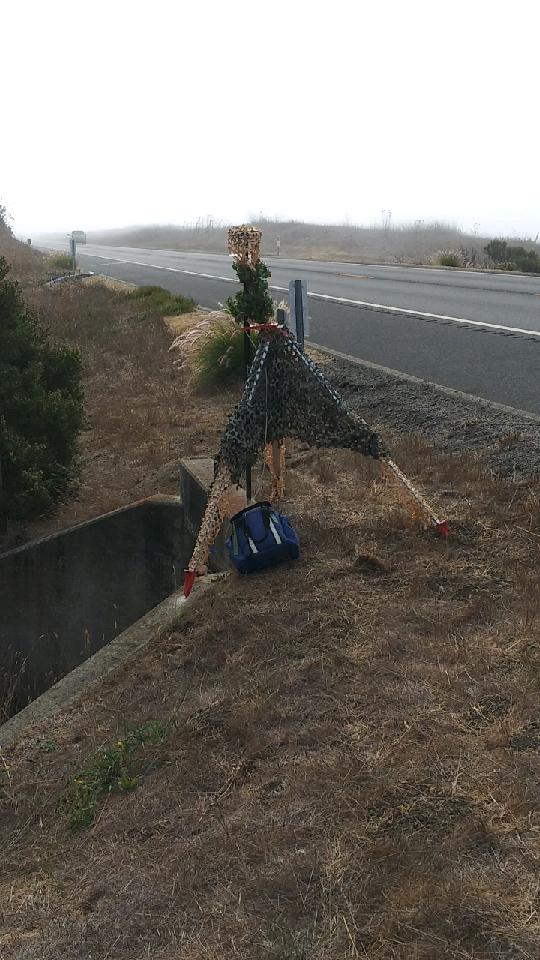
353,766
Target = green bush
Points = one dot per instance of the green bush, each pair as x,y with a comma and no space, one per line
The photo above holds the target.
450,260
220,359
527,260
60,261
156,301
497,250
512,258
41,411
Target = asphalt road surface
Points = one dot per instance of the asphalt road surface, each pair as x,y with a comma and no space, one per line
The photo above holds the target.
476,332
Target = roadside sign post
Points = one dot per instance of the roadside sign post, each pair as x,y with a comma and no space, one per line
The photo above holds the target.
73,252
298,310
278,246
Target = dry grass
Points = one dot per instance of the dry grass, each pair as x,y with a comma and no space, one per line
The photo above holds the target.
27,264
111,283
353,765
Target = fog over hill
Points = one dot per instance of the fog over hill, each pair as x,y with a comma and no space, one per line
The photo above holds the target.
418,242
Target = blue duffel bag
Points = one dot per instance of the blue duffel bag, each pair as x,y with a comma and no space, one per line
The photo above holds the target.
261,537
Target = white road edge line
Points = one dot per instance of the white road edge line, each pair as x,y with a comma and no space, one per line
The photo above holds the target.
353,303
420,313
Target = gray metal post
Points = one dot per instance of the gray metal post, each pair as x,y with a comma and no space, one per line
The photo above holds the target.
299,310
73,251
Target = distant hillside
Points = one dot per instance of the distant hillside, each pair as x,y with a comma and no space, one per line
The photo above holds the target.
413,243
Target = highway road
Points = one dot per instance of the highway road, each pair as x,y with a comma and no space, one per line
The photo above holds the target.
476,332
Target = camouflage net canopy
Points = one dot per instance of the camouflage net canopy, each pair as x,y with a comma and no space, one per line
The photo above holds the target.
286,395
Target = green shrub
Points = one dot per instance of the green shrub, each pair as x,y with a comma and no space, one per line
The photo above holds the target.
497,250
156,301
450,260
527,260
512,258
41,411
60,261
220,359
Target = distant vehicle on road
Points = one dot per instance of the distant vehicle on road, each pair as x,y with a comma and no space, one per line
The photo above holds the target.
78,235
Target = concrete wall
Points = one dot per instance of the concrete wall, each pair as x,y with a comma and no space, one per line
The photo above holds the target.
129,644
196,475
65,596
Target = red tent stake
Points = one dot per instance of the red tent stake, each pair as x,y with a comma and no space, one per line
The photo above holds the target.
189,580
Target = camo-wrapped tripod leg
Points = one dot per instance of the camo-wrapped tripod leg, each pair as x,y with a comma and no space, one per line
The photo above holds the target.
417,504
274,456
210,527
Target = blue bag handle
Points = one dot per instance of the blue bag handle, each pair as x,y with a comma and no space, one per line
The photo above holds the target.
241,519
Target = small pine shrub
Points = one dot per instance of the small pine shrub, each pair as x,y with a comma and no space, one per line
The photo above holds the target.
253,304
156,301
220,358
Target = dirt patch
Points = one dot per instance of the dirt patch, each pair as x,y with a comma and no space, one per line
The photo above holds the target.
351,767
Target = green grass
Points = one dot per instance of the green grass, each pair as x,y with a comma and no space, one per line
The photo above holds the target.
220,360
112,769
156,301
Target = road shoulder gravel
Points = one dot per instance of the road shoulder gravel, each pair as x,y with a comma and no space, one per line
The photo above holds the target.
507,440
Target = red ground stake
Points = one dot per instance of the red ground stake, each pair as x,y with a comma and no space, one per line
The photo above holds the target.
441,527
189,580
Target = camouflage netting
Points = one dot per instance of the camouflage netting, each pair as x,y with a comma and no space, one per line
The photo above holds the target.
286,395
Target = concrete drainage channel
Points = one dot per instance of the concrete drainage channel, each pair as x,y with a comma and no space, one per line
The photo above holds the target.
75,605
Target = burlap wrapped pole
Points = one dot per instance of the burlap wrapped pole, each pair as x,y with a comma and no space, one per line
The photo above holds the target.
274,457
245,244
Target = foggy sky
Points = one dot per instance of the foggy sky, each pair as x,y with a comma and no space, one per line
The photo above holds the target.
122,112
